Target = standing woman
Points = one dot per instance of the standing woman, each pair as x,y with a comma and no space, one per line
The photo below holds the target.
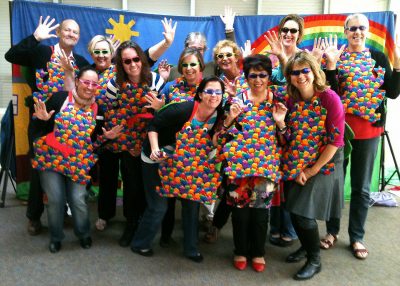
189,173
64,154
132,95
253,160
313,157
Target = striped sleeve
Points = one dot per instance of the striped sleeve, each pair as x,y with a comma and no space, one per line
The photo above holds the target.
112,89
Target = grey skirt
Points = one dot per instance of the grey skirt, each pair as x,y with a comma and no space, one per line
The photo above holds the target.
322,197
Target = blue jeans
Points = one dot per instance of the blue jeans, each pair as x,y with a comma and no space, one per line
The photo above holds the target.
59,190
362,165
281,223
190,223
154,212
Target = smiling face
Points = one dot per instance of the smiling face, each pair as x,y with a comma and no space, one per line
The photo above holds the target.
226,59
133,69
191,73
211,101
68,34
289,39
304,82
101,55
86,85
356,40
258,81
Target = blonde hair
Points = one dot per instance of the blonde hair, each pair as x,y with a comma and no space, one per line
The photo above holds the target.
97,39
227,43
302,58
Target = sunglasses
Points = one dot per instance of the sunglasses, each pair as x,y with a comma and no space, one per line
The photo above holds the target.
213,91
129,61
303,71
185,65
89,83
292,30
101,52
222,55
256,75
355,28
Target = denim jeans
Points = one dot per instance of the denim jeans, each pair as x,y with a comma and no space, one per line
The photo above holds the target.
59,190
362,165
190,223
155,210
281,223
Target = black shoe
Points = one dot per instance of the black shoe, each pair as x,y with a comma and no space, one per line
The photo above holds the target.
143,252
308,271
128,234
296,256
55,246
196,258
86,242
279,241
167,242
34,227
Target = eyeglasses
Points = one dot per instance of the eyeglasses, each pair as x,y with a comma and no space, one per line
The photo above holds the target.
185,65
129,61
101,52
222,55
355,28
256,75
286,30
213,91
303,71
89,83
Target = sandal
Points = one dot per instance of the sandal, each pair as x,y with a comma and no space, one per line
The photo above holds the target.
359,253
327,243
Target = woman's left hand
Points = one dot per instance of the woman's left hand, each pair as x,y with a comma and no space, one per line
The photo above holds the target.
155,102
318,49
230,87
247,50
113,132
279,111
164,69
41,111
64,62
304,175
169,31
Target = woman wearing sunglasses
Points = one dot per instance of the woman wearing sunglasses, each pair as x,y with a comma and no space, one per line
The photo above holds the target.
64,154
253,160
188,173
368,74
132,97
312,158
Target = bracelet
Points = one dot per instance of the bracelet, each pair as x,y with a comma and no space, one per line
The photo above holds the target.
281,130
226,127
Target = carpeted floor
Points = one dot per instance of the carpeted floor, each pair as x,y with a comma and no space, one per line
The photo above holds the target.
25,259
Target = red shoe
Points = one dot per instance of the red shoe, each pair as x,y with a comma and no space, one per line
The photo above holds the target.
240,265
258,267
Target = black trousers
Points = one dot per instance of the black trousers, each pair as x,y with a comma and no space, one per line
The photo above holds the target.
168,222
250,226
222,213
134,201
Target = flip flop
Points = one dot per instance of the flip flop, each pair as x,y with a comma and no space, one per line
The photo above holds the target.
359,253
326,243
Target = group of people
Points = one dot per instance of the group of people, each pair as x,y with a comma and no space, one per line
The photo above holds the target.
239,130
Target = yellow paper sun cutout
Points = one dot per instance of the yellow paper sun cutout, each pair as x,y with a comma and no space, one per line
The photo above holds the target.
120,30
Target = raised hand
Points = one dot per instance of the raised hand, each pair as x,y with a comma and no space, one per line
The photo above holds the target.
113,132
41,111
64,61
228,18
332,53
169,31
279,111
44,29
247,50
275,44
230,87
115,42
396,54
164,69
318,49
155,102
234,112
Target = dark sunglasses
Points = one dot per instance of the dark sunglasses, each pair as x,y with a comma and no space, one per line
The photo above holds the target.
303,71
222,55
355,28
101,52
256,75
89,83
129,61
213,91
292,30
185,65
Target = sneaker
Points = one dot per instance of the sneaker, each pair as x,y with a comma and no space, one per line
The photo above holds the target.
101,224
34,227
212,235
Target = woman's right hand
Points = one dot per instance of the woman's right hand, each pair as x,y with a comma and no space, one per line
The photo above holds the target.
332,53
41,111
275,44
157,155
44,28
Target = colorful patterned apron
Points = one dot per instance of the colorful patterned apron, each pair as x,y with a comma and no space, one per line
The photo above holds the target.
101,99
181,91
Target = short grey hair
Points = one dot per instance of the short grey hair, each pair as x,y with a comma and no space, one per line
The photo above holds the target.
194,37
358,16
